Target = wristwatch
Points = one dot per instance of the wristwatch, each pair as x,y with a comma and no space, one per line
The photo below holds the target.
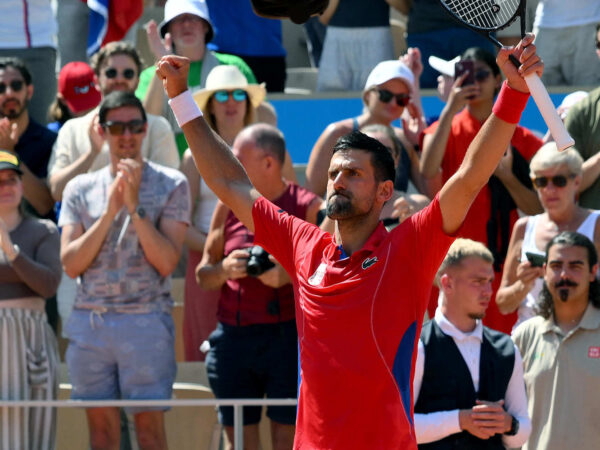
139,213
514,428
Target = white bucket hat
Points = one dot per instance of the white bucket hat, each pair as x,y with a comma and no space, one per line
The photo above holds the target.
174,8
442,66
229,78
388,70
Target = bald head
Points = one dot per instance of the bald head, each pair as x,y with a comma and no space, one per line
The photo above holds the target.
267,138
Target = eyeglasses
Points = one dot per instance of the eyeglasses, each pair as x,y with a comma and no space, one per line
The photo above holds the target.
557,180
15,86
118,128
111,72
482,75
386,96
239,95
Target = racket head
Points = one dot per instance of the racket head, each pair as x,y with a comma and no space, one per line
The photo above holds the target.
485,15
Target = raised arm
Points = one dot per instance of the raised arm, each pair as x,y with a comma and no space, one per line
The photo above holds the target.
220,169
492,140
525,198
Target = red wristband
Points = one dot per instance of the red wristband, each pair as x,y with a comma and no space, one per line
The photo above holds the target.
510,104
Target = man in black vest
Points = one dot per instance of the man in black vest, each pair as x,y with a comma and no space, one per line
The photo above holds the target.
468,384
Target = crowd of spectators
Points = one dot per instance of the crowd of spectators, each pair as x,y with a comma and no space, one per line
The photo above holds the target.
91,155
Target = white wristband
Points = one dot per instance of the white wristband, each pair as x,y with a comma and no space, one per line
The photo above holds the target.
184,107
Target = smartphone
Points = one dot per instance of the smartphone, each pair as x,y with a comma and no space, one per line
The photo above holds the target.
463,66
535,259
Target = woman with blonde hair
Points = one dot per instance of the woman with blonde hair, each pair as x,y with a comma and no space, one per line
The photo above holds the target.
557,178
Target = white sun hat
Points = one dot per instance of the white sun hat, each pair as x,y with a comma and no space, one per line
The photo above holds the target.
389,70
229,78
174,8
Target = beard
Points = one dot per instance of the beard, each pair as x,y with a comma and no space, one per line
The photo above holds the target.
563,294
339,206
15,111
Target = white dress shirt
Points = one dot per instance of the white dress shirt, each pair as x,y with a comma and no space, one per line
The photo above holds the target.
437,425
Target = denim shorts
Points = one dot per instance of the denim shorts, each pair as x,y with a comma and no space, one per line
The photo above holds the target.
254,361
121,356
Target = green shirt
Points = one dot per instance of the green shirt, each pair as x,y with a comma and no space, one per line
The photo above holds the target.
583,124
194,82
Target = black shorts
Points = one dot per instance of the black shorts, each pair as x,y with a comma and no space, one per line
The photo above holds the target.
253,362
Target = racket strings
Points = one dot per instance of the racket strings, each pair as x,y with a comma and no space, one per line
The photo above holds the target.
490,14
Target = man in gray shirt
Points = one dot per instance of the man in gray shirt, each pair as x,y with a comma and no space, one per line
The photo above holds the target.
123,228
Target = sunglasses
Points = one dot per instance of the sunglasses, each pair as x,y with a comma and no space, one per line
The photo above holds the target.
482,74
386,96
557,180
111,72
239,95
118,128
15,86
598,45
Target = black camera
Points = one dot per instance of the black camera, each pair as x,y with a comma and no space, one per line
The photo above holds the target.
258,261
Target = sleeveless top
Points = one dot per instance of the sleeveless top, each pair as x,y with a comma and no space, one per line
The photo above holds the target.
247,301
526,309
203,210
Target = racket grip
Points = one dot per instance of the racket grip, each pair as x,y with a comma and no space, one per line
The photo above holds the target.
548,111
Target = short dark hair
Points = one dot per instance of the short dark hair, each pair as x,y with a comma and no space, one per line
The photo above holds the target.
381,158
17,64
480,54
545,306
116,48
119,99
269,139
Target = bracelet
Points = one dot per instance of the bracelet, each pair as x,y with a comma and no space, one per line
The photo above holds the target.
510,104
184,107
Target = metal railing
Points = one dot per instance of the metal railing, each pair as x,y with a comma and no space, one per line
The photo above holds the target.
238,404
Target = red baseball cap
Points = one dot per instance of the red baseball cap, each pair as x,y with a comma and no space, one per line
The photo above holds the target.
77,87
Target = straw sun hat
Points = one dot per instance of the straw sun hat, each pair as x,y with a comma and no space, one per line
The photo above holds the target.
229,78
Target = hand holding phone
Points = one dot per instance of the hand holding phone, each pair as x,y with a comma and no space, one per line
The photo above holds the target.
462,66
535,259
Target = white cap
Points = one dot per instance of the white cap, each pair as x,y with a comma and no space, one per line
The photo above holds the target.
174,8
442,66
388,70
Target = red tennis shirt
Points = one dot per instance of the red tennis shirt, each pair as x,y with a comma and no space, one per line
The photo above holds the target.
359,319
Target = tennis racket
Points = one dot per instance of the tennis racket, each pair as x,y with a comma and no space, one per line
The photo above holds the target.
487,16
